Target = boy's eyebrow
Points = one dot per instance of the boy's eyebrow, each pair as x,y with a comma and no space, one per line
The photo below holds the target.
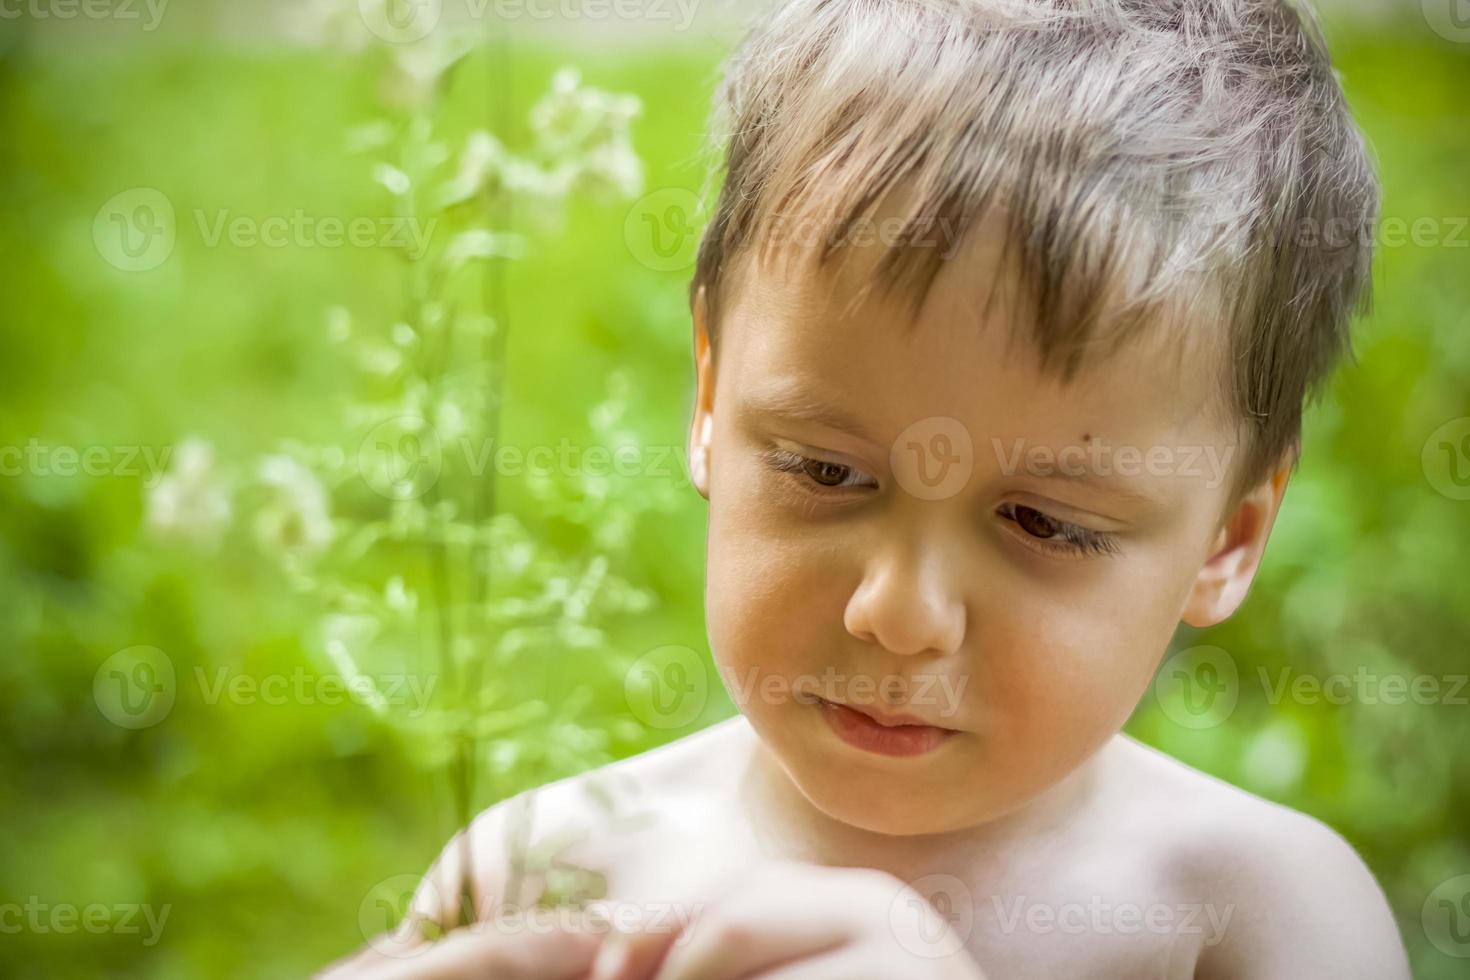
792,401
1114,486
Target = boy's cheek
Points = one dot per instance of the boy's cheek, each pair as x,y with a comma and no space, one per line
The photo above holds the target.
1038,679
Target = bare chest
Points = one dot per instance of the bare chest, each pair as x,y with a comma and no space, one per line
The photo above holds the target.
1044,914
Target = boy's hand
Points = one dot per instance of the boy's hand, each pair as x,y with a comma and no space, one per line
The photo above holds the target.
790,921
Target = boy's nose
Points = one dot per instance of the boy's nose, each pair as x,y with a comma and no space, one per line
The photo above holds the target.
908,605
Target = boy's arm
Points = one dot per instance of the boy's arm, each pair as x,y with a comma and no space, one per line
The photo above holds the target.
481,849
476,951
1302,904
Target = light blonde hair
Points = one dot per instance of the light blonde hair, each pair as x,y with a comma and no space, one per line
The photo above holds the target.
1144,155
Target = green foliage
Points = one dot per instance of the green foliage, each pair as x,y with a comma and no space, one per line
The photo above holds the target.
265,827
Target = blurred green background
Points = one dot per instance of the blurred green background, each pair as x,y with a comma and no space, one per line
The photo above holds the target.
266,828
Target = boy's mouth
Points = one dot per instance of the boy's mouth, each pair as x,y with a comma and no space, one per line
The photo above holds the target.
885,733
888,719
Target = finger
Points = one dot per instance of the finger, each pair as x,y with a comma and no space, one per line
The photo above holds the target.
776,913
723,947
633,955
846,963
865,963
641,934
773,914
485,951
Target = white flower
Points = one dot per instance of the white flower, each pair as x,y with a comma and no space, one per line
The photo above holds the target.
191,502
617,165
295,520
417,68
587,131
483,154
397,597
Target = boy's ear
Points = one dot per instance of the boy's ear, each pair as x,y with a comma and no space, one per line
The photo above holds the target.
704,397
1226,575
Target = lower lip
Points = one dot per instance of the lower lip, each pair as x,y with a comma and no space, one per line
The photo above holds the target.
860,731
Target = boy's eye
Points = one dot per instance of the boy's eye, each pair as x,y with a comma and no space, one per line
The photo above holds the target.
825,473
1057,536
822,474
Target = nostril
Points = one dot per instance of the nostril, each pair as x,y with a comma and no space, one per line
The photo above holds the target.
906,615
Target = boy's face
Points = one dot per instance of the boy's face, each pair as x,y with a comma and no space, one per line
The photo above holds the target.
932,559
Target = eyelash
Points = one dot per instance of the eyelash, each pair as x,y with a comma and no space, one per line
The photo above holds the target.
1077,540
785,461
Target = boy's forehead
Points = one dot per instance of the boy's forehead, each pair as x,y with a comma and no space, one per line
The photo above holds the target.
829,332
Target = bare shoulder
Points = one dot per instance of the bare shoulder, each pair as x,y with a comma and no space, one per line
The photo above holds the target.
568,836
1301,900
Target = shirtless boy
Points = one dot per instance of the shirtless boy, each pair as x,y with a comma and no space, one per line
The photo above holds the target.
989,285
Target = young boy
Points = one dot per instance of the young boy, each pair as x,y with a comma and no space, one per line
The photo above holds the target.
989,285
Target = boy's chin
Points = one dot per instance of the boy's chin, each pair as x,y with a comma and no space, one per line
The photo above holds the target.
895,800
